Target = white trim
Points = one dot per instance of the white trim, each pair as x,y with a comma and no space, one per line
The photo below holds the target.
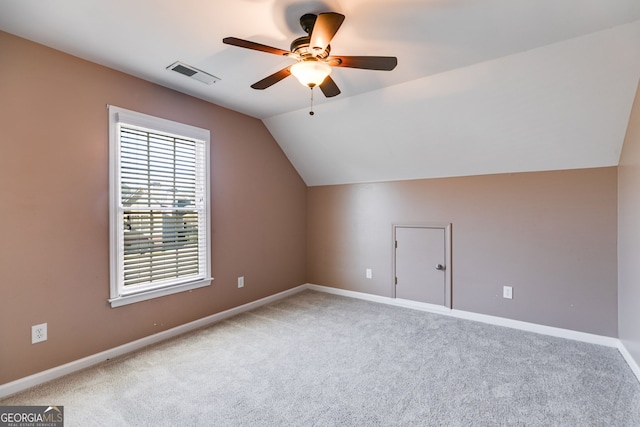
59,371
68,368
493,320
629,359
118,295
161,124
156,293
537,328
398,302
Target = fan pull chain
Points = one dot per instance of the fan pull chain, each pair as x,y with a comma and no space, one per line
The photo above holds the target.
311,113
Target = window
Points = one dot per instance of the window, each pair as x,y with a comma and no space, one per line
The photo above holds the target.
159,207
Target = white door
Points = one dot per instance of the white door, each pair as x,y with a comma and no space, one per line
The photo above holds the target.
421,264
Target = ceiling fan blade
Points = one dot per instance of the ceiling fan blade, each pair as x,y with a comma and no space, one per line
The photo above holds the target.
326,26
233,41
382,63
272,79
329,87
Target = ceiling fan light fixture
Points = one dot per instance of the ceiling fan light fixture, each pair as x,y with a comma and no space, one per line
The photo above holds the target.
311,73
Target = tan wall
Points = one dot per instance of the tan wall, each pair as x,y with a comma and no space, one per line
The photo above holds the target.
54,262
549,235
629,236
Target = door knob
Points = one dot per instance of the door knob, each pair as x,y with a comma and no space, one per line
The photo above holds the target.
440,267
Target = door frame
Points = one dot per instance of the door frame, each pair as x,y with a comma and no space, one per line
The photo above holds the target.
448,296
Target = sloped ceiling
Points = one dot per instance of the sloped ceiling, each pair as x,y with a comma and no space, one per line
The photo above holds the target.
481,87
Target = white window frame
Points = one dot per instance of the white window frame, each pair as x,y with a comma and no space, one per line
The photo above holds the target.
118,294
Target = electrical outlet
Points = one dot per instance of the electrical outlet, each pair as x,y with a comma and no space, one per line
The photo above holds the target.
369,273
507,292
241,282
38,333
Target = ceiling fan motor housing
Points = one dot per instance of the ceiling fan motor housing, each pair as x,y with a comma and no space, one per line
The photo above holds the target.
307,21
301,47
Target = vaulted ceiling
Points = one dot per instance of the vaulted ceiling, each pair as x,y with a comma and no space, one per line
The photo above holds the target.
481,87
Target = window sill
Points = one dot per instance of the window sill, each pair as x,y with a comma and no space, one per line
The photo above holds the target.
156,293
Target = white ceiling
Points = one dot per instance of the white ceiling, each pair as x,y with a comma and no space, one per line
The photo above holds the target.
481,87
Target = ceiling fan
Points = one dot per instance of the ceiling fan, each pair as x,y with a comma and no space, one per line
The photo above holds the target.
312,55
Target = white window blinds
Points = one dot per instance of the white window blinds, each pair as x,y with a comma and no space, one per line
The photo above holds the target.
161,217
162,206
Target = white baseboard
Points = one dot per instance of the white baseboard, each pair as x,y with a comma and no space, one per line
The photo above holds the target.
432,308
493,320
537,328
59,371
629,359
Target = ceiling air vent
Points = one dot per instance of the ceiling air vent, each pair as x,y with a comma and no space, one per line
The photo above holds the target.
193,72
